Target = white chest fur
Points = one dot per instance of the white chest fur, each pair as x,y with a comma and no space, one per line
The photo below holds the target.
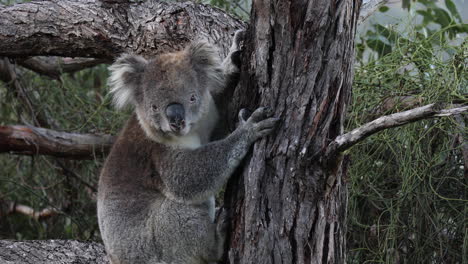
189,141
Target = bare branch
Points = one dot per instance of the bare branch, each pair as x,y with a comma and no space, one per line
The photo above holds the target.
87,28
29,211
28,140
55,66
349,139
368,8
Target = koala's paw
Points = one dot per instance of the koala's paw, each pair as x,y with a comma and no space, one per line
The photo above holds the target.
259,124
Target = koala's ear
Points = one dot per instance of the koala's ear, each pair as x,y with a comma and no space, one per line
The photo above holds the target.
205,61
125,77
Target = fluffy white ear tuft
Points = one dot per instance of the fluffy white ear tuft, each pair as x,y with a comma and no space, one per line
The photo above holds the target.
125,77
205,60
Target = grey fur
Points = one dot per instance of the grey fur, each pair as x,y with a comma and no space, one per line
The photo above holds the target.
157,187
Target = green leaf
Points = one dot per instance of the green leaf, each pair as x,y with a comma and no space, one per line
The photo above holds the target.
384,9
453,10
379,46
442,17
427,16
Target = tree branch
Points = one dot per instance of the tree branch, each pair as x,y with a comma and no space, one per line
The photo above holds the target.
345,141
86,28
368,8
55,66
52,251
28,140
14,208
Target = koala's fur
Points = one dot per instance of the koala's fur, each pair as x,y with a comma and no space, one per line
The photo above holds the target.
156,190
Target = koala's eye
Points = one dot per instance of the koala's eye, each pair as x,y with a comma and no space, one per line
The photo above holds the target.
193,98
154,108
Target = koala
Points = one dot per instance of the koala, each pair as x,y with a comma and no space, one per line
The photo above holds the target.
156,190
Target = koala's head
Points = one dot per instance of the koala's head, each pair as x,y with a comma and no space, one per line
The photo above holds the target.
171,93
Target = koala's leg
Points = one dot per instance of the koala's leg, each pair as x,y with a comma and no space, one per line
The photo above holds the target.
193,175
216,249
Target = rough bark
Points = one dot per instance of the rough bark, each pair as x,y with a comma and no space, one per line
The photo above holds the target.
29,140
51,251
87,28
286,205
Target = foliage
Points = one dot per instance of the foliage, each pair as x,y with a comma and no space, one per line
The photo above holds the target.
76,103
432,23
409,195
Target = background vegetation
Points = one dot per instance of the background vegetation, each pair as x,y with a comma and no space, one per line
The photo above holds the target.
408,186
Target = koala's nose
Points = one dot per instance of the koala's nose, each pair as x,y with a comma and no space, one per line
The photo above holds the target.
176,116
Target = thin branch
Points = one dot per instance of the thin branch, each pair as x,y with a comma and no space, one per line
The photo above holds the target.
55,66
368,8
28,140
345,141
10,77
461,138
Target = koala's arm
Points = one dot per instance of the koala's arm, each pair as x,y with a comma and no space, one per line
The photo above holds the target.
194,175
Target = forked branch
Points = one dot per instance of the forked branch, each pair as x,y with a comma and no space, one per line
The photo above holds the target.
345,141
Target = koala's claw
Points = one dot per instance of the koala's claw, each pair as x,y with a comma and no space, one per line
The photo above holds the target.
258,125
259,114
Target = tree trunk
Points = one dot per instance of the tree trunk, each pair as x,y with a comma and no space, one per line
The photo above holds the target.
288,203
